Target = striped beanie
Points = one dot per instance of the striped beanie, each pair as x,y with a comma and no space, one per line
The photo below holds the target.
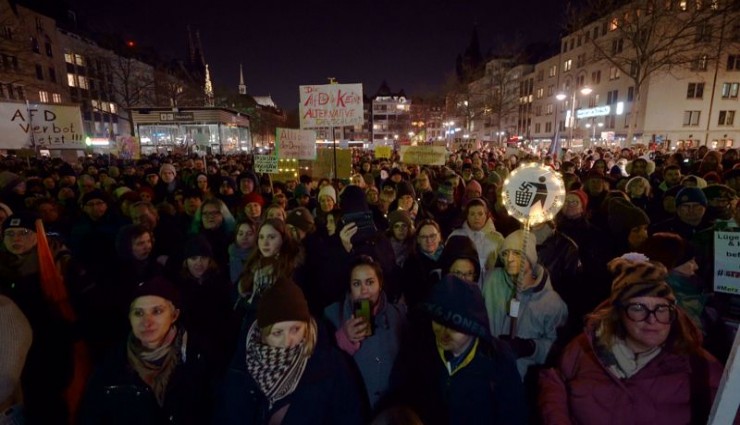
636,276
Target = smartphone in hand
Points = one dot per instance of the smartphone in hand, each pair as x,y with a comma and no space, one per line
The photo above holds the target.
363,310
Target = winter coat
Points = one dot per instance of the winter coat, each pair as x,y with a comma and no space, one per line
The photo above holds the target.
559,254
416,280
237,259
541,313
207,310
488,390
487,242
583,391
327,393
376,354
116,394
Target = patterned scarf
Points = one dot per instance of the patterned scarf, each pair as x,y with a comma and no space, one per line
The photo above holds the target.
277,371
263,278
155,367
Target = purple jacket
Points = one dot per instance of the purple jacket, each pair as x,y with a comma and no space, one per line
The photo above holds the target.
582,391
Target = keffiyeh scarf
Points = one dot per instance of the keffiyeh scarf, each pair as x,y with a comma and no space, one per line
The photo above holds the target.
277,371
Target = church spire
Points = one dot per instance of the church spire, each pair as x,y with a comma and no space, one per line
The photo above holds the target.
242,86
208,89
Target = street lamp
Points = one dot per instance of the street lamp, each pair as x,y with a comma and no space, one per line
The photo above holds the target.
593,135
562,96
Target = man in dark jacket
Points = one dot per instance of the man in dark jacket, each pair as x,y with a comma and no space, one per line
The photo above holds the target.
460,374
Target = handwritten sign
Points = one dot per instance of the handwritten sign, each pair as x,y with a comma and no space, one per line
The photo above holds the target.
295,144
45,126
727,262
383,151
423,155
331,105
266,164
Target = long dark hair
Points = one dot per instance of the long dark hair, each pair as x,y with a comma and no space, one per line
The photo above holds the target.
283,263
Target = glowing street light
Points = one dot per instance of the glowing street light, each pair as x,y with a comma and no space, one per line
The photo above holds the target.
585,91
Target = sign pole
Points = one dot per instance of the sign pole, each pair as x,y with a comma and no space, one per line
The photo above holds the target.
334,147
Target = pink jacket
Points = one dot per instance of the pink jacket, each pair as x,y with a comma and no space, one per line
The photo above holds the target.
582,391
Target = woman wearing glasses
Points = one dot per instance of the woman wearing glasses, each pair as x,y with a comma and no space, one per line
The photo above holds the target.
640,356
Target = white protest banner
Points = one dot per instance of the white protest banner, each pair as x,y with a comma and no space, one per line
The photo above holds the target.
423,155
48,126
331,105
291,143
727,262
266,164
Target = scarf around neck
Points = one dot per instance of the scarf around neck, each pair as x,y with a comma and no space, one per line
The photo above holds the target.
155,367
276,370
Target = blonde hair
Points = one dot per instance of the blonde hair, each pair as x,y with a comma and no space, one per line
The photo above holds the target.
309,339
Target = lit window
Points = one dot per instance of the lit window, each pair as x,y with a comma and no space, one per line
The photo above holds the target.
614,73
113,108
82,81
614,24
79,60
730,90
43,96
69,57
71,80
56,98
567,65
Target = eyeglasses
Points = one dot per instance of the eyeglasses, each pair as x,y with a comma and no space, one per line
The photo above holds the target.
17,233
428,237
469,276
638,312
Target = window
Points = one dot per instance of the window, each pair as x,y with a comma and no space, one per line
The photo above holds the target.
540,92
565,46
553,71
613,24
700,63
7,33
10,62
733,62
548,127
580,40
581,60
35,45
729,90
537,127
703,33
52,75
548,109
614,73
617,46
69,57
39,72
633,69
43,96
21,92
683,5
572,44
726,118
691,118
612,97
56,98
550,90
538,110
47,47
82,81
567,65
630,94
540,75
596,33
71,80
695,91
596,77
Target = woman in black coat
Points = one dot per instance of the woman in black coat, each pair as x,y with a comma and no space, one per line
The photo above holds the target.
286,370
158,376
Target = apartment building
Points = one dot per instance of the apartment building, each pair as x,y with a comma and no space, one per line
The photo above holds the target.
32,66
390,116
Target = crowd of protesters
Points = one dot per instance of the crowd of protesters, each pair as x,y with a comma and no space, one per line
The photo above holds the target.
192,290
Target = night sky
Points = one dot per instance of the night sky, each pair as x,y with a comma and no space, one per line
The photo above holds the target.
412,44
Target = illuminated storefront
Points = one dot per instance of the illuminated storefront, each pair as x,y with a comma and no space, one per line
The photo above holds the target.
187,130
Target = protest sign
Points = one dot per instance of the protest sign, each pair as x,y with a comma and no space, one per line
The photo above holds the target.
291,143
45,126
727,262
383,151
330,105
266,164
324,164
423,155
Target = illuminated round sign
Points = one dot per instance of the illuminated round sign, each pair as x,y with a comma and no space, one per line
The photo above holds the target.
533,193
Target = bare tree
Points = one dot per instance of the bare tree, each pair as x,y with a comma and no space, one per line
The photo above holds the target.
642,38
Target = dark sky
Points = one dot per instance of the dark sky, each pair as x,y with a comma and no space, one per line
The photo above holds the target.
412,44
